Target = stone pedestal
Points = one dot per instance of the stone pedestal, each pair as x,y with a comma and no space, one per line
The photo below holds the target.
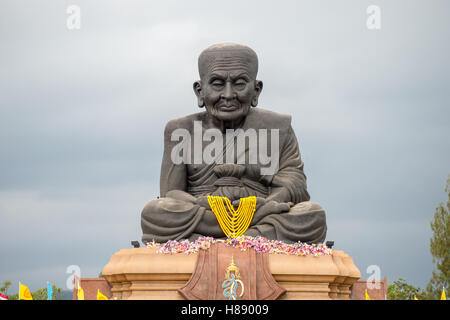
143,274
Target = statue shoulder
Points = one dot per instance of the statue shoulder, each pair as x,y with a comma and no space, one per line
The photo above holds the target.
186,122
264,118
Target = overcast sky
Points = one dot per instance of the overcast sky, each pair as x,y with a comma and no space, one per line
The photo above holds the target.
82,114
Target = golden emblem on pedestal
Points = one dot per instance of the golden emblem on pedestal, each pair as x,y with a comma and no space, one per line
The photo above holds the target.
232,281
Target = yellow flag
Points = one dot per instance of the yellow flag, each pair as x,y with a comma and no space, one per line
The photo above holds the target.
80,293
443,297
367,296
415,298
24,292
101,296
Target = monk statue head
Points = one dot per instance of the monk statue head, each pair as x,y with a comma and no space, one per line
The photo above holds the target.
228,87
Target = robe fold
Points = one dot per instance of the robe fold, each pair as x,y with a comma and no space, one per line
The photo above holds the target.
284,213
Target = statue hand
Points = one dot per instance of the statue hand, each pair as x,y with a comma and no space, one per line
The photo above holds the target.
270,207
259,202
203,202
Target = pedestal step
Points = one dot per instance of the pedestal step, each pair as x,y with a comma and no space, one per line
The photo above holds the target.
143,274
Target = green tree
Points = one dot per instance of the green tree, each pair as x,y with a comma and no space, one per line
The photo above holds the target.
440,248
4,288
400,290
40,294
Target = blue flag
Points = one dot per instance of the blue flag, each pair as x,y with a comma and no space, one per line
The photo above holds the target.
49,291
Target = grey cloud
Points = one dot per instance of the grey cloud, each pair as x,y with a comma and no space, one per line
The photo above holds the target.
82,116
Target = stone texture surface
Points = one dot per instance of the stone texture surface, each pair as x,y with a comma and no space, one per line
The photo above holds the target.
90,287
209,275
377,290
141,273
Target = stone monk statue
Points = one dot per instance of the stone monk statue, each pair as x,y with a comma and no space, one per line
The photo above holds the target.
215,160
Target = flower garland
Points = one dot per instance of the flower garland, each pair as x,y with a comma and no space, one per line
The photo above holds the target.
233,222
259,244
185,246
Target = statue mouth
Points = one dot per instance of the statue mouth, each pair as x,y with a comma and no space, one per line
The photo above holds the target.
227,108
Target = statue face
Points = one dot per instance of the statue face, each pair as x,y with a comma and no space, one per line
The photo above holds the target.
228,87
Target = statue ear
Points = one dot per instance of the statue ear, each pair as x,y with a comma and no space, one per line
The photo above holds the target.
198,93
258,89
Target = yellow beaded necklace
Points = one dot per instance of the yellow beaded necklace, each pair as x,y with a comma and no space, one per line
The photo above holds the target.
238,221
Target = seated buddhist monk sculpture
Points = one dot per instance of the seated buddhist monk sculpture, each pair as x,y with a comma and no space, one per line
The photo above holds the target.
213,153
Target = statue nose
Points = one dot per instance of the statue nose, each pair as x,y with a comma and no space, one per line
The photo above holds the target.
228,93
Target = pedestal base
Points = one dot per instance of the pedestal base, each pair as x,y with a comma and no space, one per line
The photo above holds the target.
143,274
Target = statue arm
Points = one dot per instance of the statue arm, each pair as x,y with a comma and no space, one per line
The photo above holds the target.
173,176
289,183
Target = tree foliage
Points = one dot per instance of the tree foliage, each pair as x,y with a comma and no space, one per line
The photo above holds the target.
40,294
400,290
4,288
440,248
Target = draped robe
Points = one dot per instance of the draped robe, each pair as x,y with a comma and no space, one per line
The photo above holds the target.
284,212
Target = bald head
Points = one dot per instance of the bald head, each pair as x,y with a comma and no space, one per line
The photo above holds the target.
228,56
228,85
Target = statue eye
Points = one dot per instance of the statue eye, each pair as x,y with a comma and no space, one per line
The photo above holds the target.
217,82
240,82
